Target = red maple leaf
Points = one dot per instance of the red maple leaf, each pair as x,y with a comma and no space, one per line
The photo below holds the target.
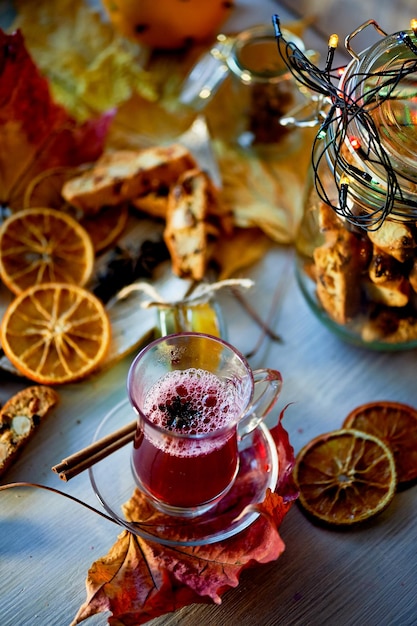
139,579
36,134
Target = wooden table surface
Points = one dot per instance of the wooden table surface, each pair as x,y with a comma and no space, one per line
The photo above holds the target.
366,576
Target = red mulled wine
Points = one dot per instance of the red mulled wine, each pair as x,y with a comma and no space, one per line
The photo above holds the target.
185,452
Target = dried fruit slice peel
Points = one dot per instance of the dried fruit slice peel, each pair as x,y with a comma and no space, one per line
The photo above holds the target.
20,418
44,245
345,477
396,424
55,333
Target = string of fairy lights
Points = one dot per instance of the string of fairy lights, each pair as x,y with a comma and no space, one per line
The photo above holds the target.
342,110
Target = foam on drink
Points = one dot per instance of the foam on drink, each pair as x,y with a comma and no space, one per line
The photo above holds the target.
191,402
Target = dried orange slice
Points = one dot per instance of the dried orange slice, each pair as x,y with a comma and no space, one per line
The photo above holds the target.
45,188
44,245
396,424
55,333
106,226
345,477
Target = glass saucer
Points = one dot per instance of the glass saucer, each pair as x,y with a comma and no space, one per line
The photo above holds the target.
113,483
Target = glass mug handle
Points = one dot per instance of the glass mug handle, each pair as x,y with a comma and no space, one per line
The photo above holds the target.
268,385
207,75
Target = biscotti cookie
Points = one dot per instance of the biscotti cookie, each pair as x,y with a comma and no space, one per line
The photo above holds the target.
338,277
187,226
20,417
154,203
124,175
395,239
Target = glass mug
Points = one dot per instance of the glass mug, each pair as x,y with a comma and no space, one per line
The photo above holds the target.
195,397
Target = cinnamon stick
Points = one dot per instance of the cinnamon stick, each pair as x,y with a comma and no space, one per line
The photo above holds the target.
95,452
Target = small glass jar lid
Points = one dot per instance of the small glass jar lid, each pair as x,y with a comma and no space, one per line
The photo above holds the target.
253,56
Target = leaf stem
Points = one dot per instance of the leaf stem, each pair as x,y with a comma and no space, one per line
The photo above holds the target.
60,493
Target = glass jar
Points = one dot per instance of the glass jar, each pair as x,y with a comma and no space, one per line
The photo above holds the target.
202,317
357,242
244,73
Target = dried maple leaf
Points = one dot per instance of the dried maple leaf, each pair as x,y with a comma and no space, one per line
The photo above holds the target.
286,486
139,580
130,583
36,134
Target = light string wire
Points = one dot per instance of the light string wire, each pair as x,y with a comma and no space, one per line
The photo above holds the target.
342,110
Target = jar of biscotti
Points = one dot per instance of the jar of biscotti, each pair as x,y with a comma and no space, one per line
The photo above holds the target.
357,242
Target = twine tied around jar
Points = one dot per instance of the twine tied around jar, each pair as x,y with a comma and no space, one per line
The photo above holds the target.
201,293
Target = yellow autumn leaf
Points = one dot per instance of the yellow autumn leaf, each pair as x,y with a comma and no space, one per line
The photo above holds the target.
271,197
78,50
233,254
